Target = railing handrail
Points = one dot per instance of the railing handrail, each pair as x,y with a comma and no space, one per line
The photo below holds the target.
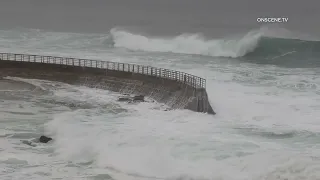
185,78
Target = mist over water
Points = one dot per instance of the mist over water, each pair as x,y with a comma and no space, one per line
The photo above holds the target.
262,80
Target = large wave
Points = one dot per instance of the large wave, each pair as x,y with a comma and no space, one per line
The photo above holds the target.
187,44
252,45
274,46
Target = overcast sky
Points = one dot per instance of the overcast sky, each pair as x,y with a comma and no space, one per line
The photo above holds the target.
157,16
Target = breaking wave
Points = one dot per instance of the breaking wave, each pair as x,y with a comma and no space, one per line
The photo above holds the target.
266,46
187,44
254,44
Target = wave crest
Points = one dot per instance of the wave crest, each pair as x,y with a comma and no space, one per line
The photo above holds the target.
188,44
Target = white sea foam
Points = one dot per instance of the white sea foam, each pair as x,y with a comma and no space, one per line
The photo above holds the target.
188,44
183,145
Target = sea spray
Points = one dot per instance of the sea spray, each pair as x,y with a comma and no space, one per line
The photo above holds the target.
188,44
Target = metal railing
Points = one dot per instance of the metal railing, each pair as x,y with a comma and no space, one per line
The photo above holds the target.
178,76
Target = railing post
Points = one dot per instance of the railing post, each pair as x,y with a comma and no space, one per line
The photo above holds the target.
193,81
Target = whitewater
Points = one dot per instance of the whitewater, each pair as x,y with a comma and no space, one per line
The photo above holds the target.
267,125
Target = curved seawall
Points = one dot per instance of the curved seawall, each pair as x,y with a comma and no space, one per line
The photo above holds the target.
176,89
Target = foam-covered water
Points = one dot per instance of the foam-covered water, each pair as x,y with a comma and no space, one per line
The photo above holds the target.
267,124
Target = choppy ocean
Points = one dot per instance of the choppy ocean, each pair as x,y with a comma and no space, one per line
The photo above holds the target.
263,81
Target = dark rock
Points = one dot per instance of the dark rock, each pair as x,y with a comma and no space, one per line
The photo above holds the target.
44,139
125,98
130,99
138,98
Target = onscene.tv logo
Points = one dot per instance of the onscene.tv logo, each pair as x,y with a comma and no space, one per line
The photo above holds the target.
272,19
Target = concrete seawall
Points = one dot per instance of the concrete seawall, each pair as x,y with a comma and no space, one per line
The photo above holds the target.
178,92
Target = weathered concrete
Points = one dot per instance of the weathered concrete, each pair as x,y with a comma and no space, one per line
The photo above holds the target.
172,93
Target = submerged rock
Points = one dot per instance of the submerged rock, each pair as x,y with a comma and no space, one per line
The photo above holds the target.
130,99
30,143
126,98
33,142
44,139
138,98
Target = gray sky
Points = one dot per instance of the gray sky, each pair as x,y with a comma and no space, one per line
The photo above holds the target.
159,17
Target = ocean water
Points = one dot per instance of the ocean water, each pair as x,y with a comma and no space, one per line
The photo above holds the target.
263,80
